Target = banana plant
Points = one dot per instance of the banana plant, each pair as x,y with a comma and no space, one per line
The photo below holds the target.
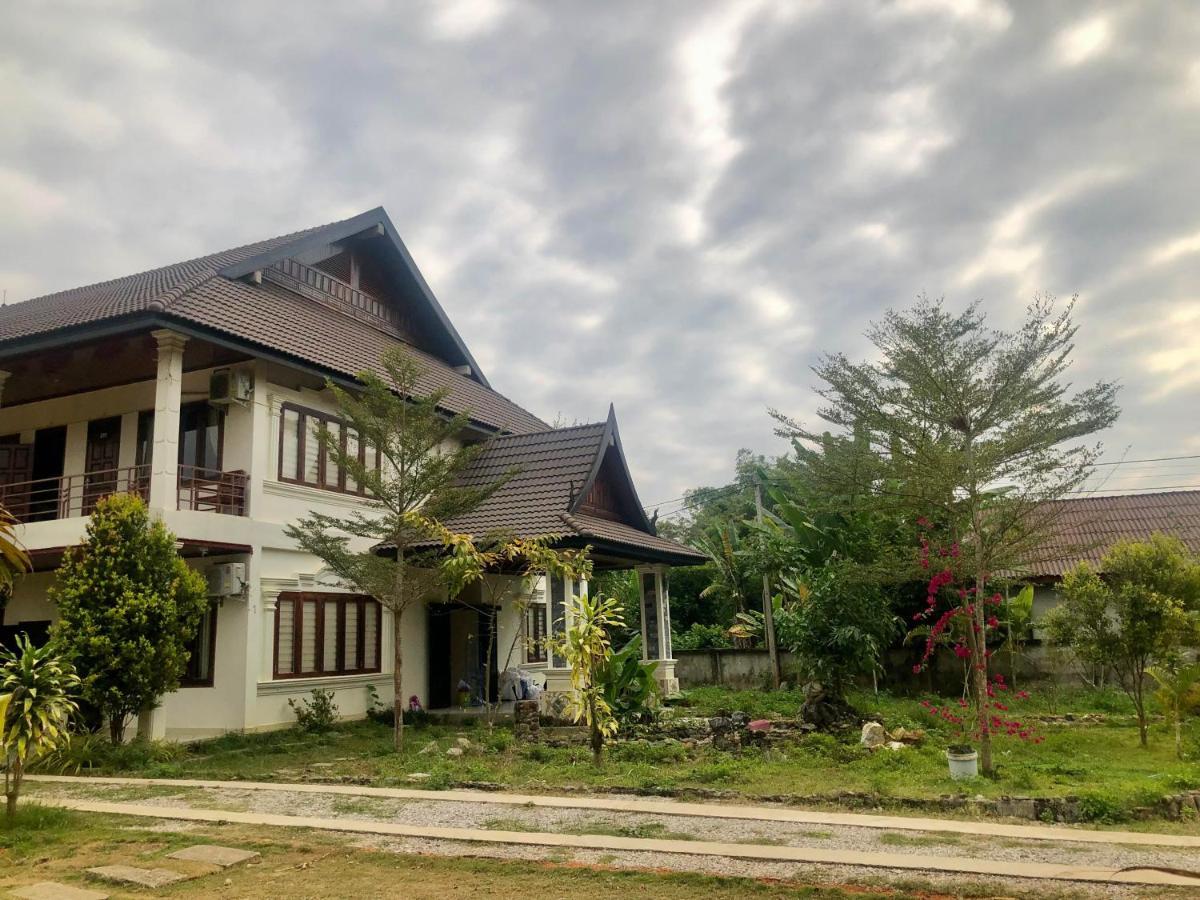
1018,618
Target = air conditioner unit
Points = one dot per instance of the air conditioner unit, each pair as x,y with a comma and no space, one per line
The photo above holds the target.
227,386
226,579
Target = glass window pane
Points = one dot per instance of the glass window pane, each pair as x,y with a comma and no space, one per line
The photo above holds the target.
308,636
350,642
286,637
291,444
558,615
331,468
312,451
370,635
351,450
330,644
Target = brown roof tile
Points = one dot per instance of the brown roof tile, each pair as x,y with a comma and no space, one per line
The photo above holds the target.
267,316
1087,527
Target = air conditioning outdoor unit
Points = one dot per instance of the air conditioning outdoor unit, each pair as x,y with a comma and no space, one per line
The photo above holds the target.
226,579
227,386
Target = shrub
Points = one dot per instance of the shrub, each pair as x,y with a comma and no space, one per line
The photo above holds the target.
1102,808
317,715
88,751
702,637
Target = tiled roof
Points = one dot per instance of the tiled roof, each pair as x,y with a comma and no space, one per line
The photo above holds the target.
267,316
551,469
1085,528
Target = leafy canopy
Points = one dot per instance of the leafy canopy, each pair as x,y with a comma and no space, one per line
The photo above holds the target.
128,606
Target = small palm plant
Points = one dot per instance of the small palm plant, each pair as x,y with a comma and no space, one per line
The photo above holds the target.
1176,692
587,649
13,558
35,709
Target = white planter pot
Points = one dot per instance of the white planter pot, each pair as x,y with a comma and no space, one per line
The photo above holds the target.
963,765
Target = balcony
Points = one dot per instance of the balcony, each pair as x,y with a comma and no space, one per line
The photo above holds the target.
68,496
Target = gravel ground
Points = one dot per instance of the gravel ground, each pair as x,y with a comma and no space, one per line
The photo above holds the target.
521,818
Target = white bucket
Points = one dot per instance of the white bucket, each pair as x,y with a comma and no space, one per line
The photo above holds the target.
963,765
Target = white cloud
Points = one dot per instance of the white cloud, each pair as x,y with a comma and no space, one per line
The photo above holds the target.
1083,41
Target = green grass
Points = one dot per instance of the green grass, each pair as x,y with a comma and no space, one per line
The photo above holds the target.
1100,762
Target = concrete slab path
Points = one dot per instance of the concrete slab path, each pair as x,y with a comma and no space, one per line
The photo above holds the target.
654,806
927,863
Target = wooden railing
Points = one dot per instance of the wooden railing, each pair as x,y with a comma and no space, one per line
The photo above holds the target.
65,496
208,490
333,292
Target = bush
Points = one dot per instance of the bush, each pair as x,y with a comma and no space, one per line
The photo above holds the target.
1101,808
89,751
702,637
317,715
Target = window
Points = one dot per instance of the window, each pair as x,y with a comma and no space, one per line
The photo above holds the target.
304,460
202,650
325,634
535,633
201,429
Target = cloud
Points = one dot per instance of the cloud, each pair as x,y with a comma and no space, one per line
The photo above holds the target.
675,208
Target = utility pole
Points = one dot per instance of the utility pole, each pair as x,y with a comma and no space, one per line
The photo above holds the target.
768,607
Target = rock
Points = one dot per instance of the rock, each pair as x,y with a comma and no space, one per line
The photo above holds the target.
454,751
431,747
224,857
760,725
907,736
720,724
896,745
463,742
152,878
740,719
873,736
418,776
51,890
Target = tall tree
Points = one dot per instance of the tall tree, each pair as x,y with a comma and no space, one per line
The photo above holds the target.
397,548
128,606
974,429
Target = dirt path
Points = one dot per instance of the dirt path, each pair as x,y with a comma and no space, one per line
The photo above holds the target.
760,842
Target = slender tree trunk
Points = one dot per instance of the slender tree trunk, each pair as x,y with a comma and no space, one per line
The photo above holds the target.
145,730
398,679
1139,702
597,737
116,729
13,787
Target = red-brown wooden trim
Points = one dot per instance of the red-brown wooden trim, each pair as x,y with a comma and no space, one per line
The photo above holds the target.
321,670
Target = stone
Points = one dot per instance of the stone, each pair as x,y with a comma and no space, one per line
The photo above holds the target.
896,745
419,776
760,725
527,721
151,878
431,747
463,742
52,890
224,857
454,751
873,735
740,719
720,724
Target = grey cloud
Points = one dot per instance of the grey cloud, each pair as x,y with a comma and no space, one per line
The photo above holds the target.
600,227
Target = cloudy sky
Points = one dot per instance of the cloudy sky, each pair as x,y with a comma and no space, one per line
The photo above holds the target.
672,206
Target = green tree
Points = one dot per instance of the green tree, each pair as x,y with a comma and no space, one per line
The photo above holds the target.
13,558
587,648
35,708
397,548
970,427
128,606
1138,611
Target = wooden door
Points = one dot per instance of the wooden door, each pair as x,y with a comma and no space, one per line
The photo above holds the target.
100,466
16,472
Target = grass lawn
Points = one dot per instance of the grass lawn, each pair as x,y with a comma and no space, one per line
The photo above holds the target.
47,844
1100,762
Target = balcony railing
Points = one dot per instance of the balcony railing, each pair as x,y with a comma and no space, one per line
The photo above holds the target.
71,495
209,490
67,496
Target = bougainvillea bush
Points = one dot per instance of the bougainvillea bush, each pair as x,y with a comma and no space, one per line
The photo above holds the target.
965,619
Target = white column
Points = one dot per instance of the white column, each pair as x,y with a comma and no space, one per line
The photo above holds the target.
168,392
266,619
655,604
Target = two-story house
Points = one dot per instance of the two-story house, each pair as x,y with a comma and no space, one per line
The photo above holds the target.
201,385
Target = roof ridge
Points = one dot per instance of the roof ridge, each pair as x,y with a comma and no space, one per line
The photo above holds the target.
1125,496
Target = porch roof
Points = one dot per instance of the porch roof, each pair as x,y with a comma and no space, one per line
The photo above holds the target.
551,493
